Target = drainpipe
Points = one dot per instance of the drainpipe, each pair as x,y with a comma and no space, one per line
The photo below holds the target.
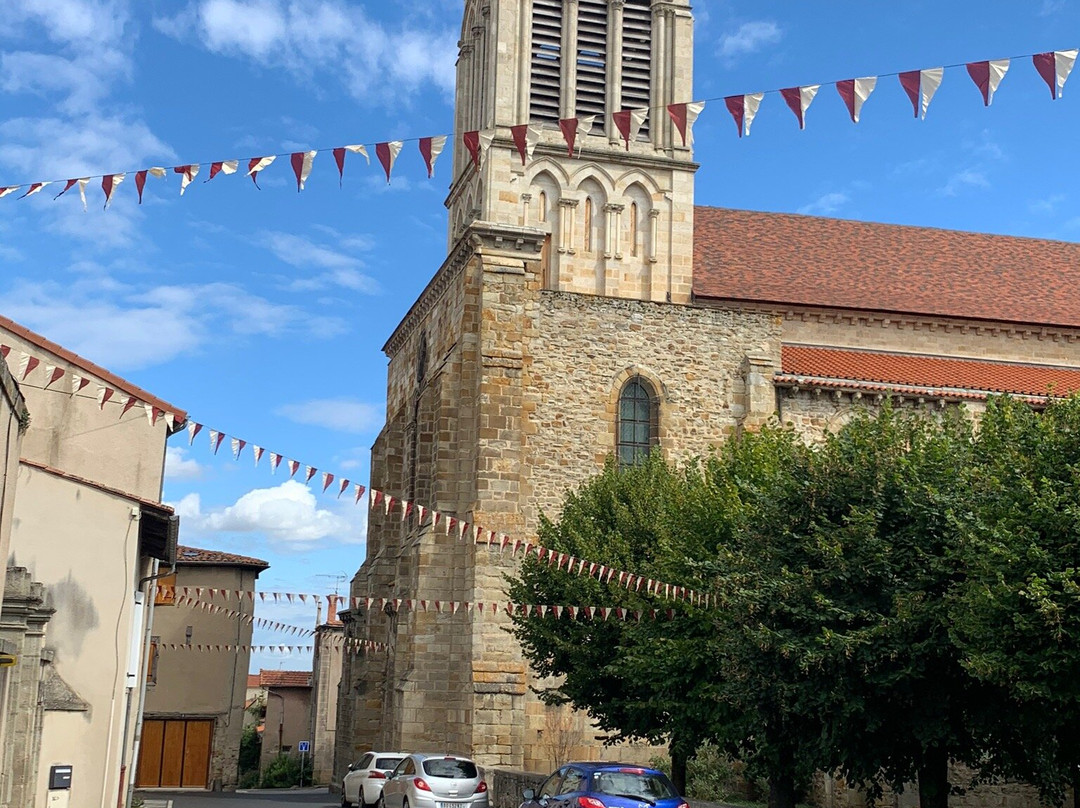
134,767
281,720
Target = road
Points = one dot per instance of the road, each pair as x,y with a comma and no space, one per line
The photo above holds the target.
263,798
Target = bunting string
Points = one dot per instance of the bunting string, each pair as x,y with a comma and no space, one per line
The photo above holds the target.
250,619
1053,67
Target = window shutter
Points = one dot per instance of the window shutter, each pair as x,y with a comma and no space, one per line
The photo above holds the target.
637,59
592,57
546,60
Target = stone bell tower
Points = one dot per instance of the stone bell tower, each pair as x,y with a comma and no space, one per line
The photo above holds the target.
618,216
489,347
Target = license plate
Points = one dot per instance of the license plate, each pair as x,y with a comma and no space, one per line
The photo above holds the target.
448,805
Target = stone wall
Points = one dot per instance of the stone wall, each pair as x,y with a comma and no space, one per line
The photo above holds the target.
505,786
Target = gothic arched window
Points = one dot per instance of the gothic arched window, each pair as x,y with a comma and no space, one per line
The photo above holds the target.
638,421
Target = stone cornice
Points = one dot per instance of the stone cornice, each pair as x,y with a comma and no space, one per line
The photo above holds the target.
478,238
901,321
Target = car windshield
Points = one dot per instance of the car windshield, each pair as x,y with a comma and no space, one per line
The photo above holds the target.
386,764
638,784
451,768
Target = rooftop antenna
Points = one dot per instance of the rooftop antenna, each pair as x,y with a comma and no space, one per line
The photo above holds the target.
339,578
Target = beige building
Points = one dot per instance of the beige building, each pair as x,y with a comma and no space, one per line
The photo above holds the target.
88,530
288,713
325,683
588,308
194,712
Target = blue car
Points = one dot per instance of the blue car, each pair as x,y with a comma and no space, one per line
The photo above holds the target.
604,785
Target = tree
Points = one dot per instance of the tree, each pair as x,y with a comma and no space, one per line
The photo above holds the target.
648,680
1016,619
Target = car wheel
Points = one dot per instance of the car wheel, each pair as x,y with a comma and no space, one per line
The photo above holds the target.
344,802
381,802
404,802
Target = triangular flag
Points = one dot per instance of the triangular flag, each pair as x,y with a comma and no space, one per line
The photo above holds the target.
10,189
430,149
342,485
472,146
629,123
293,465
799,99
571,128
855,92
275,461
71,183
1054,67
387,154
920,86
152,413
359,489
339,158
130,402
310,471
257,451
237,447
684,116
327,478
34,188
215,440
53,374
222,167
187,174
987,75
78,383
82,191
192,430
525,139
257,164
27,363
301,166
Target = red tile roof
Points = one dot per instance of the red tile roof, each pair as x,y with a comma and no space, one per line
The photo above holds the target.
967,378
274,678
86,365
795,260
253,680
194,555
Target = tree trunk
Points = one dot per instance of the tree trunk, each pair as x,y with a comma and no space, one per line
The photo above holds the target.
678,768
1076,785
782,782
934,778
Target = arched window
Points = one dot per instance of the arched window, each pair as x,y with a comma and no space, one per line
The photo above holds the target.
543,206
637,429
633,228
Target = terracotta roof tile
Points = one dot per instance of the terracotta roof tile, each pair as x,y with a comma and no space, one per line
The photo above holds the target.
194,555
272,678
810,261
917,373
253,680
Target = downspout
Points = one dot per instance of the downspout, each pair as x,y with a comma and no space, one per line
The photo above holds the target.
134,763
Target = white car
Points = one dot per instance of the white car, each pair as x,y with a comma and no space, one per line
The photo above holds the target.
435,781
364,782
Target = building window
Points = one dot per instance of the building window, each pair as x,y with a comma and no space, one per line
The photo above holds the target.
151,660
588,225
165,593
546,60
638,427
592,48
633,228
637,59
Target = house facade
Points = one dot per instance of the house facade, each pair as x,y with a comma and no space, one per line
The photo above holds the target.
589,308
194,712
288,713
88,533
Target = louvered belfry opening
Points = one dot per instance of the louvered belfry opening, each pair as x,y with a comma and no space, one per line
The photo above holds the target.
637,58
592,56
547,24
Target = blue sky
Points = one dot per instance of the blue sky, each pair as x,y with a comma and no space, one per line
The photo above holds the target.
263,312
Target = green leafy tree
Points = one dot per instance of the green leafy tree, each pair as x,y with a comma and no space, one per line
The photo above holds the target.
1017,618
649,680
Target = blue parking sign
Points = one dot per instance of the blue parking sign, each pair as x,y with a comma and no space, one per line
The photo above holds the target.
303,746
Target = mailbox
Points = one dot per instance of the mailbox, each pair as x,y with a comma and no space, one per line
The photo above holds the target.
59,778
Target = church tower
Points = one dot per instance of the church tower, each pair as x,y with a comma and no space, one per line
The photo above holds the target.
562,289
618,215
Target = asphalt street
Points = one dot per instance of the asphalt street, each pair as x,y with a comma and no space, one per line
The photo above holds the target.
262,798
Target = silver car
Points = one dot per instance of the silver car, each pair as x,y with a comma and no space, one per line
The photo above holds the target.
366,778
435,781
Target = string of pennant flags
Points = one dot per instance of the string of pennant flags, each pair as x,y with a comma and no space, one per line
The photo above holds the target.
398,605
250,619
407,510
349,645
920,86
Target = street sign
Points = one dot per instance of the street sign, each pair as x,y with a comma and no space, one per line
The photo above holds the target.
303,746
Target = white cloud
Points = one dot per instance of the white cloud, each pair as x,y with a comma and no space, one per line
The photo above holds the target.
178,466
125,328
288,516
750,38
340,414
69,22
964,180
308,36
826,204
342,268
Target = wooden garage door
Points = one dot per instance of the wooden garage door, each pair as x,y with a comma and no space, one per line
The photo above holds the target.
174,753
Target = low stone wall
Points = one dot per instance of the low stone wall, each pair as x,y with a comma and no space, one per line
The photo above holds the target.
505,787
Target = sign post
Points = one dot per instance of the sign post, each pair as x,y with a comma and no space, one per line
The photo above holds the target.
304,747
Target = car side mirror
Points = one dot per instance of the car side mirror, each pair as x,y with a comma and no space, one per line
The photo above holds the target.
351,767
528,794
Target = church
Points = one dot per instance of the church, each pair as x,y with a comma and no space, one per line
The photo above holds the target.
588,308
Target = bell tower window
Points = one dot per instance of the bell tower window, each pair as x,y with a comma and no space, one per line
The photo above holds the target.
547,25
592,55
637,58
